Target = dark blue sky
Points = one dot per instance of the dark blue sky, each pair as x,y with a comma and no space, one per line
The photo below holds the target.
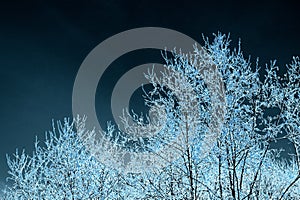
42,45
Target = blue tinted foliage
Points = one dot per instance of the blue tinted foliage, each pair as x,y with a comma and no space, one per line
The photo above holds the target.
217,119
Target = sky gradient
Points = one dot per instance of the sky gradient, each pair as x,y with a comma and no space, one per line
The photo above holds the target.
43,43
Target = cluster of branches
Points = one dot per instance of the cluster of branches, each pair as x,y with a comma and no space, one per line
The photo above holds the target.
218,136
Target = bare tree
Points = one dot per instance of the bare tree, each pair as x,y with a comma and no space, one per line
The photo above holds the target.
240,163
207,136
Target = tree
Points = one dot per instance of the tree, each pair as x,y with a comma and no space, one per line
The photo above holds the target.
61,169
208,135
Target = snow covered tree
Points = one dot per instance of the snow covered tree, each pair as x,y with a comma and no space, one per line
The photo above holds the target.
61,169
259,111
208,135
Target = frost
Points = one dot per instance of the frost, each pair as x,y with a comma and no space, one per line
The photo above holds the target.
222,153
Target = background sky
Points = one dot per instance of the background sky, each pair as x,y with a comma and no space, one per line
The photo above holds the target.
43,43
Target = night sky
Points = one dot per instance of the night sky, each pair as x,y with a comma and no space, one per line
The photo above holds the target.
43,43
